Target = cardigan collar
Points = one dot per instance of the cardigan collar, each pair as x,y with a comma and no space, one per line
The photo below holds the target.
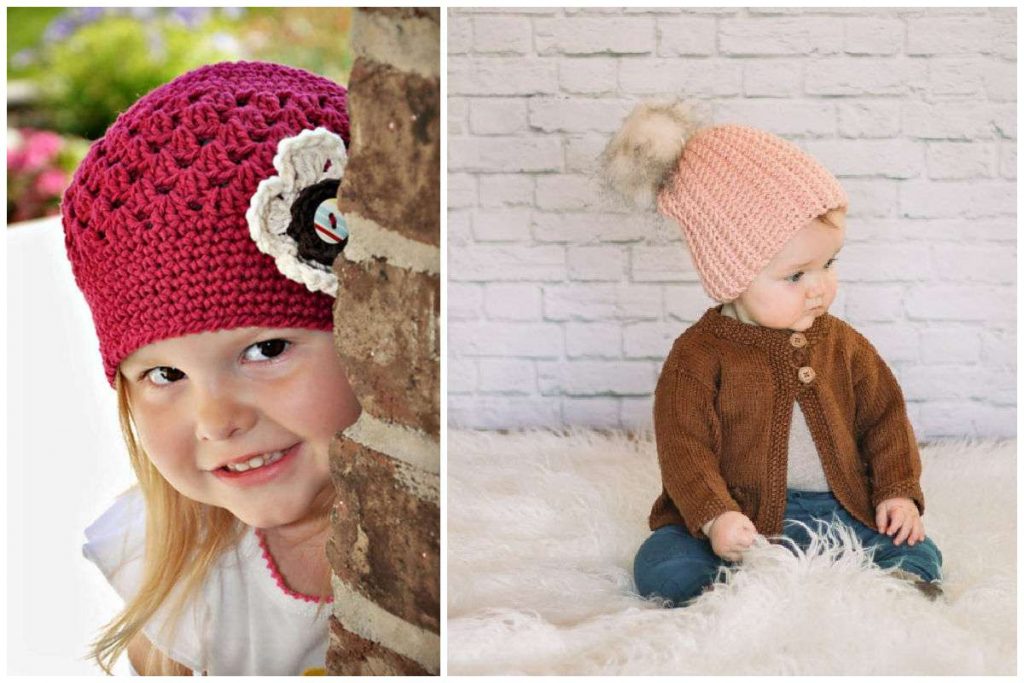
755,335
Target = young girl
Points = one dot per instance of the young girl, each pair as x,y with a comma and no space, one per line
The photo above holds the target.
770,415
201,229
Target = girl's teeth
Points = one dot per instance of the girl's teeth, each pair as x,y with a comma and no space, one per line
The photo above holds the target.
256,462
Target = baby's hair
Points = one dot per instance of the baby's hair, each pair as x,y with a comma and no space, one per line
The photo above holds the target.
184,540
829,216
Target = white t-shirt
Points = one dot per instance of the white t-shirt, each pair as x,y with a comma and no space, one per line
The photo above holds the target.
242,623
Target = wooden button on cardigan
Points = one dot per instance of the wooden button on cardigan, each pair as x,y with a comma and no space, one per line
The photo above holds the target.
724,404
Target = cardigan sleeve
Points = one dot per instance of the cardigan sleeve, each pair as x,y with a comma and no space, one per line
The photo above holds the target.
884,435
688,437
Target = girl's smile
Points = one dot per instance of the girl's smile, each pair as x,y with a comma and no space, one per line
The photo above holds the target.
259,469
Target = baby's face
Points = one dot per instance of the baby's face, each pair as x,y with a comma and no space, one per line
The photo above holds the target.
205,400
799,284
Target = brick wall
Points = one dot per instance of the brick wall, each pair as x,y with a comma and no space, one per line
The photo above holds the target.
384,547
562,305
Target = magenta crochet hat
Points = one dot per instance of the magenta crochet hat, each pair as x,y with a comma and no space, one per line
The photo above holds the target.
160,220
738,193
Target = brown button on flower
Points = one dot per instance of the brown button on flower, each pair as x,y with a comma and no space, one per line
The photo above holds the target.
806,374
798,340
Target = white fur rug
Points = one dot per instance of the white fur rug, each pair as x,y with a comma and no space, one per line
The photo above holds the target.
542,529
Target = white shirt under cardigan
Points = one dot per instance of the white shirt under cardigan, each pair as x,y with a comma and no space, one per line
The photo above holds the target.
243,622
803,465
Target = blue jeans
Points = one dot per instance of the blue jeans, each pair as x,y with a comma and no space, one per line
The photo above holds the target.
674,565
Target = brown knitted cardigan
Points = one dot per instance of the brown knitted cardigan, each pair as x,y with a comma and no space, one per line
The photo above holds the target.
724,403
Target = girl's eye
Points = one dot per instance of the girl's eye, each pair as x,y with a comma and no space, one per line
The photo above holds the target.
260,351
159,376
266,350
831,261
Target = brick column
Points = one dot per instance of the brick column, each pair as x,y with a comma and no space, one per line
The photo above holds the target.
385,539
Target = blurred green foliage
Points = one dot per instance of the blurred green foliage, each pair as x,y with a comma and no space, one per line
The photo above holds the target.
104,67
25,26
89,64
312,38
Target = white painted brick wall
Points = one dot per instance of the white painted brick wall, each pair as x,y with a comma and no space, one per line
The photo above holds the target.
562,304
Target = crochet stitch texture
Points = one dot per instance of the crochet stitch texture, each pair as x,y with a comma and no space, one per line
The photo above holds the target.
154,218
740,194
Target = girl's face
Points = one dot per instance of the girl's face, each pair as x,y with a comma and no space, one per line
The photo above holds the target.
799,284
205,400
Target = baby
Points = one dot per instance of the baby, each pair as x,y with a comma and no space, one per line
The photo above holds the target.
771,416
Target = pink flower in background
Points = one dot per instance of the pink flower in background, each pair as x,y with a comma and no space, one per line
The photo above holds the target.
15,159
39,167
51,182
39,149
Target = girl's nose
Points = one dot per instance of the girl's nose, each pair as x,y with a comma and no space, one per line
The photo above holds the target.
221,415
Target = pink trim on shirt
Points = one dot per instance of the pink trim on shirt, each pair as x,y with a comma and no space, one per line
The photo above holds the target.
274,572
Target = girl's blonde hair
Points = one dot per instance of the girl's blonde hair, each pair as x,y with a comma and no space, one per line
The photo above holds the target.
184,540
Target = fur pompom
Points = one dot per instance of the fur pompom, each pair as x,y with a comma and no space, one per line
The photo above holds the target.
646,149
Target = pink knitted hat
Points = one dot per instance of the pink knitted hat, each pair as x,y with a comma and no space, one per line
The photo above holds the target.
738,193
155,219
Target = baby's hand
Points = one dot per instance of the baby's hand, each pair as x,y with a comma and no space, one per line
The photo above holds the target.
731,533
900,515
